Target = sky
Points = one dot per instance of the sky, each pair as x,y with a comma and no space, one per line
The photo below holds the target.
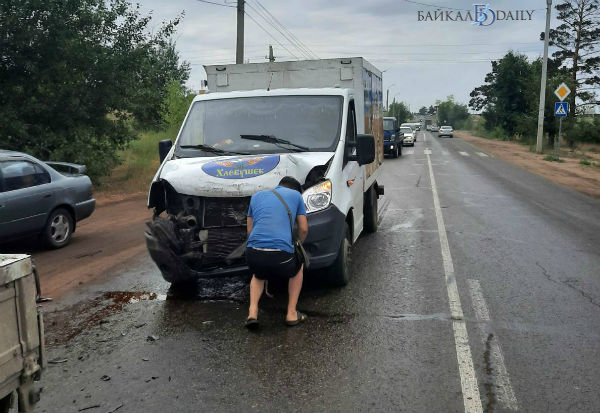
423,61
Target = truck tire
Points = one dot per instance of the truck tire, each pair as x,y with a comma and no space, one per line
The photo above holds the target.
395,153
370,211
59,228
339,272
400,149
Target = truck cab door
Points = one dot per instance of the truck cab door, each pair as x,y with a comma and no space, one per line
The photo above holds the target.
353,173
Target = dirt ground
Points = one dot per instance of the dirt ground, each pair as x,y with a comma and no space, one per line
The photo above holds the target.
113,235
570,173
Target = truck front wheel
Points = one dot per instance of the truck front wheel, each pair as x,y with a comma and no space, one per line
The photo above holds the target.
339,272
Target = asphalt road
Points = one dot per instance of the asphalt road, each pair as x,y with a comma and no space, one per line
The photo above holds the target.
480,292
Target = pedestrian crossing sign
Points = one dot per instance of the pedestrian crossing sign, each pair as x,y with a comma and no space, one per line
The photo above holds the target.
561,109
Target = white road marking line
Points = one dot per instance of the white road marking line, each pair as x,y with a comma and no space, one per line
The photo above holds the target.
463,153
483,155
424,137
427,151
409,152
505,393
445,153
468,379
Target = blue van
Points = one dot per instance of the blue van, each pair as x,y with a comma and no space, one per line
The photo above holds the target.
392,139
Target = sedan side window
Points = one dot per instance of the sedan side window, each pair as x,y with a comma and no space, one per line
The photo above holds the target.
22,174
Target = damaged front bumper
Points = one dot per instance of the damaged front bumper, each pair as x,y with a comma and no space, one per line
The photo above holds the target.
202,237
176,271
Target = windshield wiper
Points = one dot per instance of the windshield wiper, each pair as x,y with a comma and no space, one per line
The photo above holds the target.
274,140
212,149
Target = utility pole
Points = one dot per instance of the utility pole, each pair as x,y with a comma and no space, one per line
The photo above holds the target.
540,131
387,97
239,50
271,57
387,101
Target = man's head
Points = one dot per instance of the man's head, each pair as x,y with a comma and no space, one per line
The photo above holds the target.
291,183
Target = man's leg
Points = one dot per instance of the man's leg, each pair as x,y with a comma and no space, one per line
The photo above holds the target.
256,290
294,288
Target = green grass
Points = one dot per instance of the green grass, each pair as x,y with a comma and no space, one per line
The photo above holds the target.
138,164
552,158
585,162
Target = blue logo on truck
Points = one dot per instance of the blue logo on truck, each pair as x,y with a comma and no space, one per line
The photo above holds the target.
241,168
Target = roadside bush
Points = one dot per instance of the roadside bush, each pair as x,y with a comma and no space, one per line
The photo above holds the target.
175,104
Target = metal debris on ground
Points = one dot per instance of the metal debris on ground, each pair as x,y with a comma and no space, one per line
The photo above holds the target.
93,406
57,361
152,337
105,378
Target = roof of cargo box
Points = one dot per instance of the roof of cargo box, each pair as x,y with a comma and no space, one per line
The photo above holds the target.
330,91
292,65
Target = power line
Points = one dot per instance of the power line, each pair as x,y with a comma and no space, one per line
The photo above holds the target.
433,5
216,4
301,43
259,13
273,37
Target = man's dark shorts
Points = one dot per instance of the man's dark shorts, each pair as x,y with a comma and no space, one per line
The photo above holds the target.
269,265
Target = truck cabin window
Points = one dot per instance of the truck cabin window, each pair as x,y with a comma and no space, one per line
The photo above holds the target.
388,124
257,125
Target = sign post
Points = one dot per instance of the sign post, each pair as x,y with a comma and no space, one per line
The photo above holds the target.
561,109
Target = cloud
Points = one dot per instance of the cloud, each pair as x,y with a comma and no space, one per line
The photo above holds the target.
425,60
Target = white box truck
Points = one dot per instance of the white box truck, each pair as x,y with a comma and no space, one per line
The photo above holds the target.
319,121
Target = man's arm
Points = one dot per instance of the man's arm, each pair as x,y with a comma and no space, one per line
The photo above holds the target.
302,227
249,225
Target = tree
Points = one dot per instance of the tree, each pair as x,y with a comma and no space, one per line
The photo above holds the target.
400,111
72,74
505,96
175,105
577,39
451,113
431,110
423,110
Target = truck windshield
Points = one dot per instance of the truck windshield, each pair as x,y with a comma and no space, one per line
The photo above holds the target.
388,124
307,122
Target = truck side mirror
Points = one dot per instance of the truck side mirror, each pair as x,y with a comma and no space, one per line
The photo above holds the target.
164,147
365,150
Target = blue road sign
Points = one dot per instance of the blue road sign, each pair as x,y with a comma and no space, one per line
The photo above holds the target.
561,109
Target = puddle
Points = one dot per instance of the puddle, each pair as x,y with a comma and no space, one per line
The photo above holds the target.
129,297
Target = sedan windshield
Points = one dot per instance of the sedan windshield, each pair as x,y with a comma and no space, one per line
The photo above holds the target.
262,124
406,130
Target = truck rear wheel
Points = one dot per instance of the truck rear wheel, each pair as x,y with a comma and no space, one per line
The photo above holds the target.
370,211
339,272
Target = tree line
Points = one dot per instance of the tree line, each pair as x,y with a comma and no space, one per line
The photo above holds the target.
79,77
509,99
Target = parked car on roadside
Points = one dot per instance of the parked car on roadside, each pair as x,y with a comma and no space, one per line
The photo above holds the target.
445,131
409,136
35,198
435,128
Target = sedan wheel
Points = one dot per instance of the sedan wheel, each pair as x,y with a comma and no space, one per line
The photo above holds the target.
59,229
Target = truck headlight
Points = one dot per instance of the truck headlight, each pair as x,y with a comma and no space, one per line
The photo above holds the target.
393,136
317,197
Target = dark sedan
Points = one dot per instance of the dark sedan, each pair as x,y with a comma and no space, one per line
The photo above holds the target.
35,198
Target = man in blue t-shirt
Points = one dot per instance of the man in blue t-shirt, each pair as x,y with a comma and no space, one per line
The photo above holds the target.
270,248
